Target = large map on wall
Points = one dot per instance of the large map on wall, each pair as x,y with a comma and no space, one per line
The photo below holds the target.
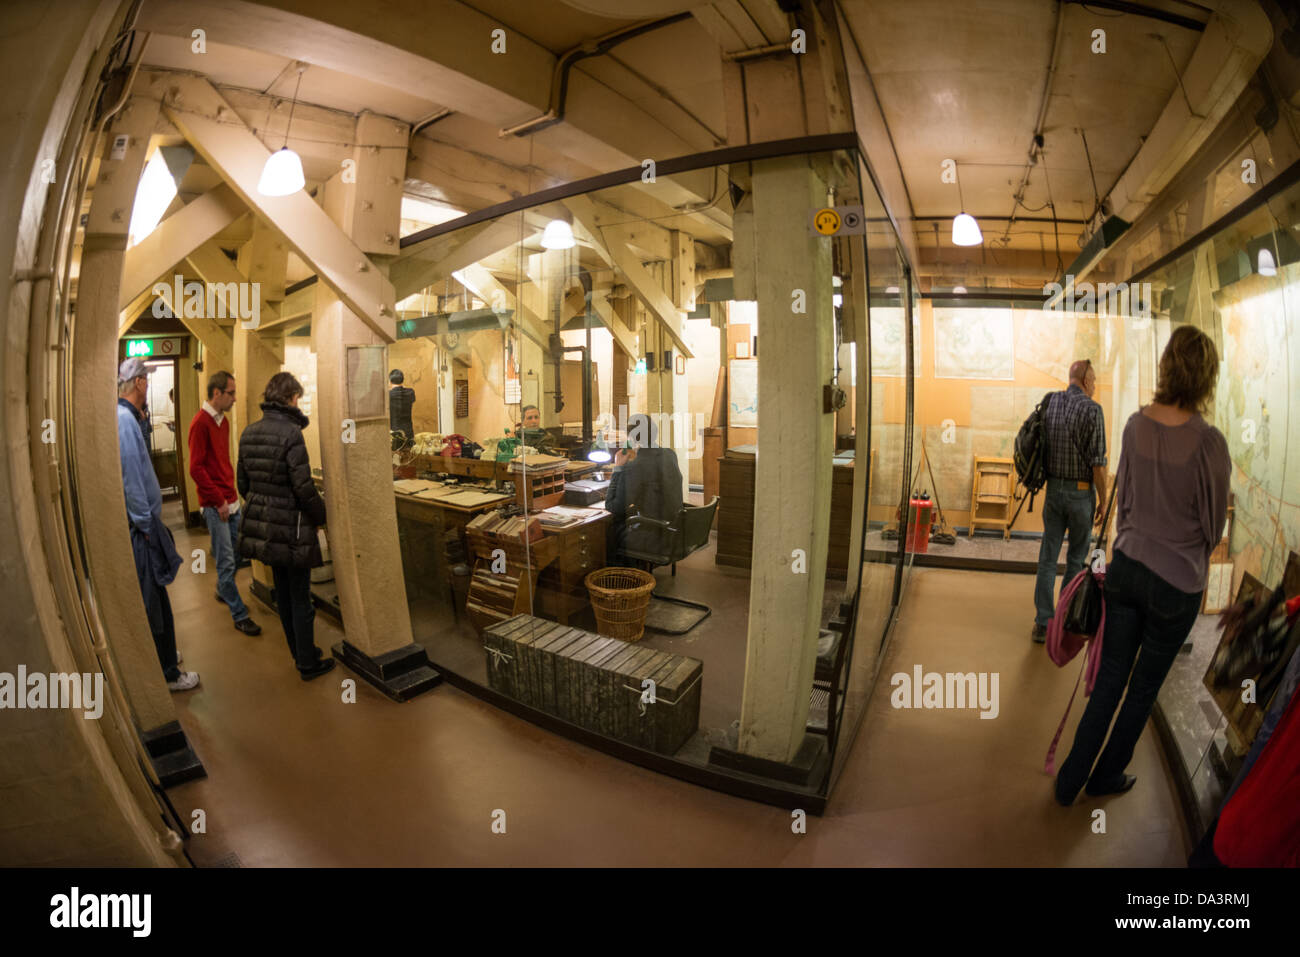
742,394
1261,363
974,344
888,341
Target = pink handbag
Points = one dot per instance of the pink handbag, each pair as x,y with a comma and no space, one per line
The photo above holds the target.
1062,646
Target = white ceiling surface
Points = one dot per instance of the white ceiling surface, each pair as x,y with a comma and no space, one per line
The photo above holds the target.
227,65
960,81
965,81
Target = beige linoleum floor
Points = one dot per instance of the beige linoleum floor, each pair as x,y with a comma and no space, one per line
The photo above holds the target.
297,777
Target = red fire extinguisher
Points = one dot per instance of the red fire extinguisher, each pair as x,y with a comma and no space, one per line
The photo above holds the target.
919,512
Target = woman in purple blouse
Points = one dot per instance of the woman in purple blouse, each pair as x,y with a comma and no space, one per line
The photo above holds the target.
1171,499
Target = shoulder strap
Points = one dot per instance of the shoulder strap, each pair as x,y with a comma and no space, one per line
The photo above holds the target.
1105,522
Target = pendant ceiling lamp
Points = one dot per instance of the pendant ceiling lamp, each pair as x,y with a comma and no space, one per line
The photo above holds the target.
557,235
1265,265
282,174
965,231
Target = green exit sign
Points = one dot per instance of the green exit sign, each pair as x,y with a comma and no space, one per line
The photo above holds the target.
139,347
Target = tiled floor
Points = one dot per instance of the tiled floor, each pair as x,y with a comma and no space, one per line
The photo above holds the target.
298,777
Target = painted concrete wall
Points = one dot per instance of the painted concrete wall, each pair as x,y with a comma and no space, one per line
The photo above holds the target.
63,797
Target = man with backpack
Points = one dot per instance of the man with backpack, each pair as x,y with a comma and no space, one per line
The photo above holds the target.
1074,461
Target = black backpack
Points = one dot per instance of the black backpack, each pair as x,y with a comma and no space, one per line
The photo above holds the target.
1030,453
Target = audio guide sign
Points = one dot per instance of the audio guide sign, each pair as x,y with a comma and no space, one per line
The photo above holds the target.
837,221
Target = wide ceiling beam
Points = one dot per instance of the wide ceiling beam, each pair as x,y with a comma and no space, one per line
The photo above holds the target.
426,263
483,284
211,126
451,66
216,269
175,238
642,283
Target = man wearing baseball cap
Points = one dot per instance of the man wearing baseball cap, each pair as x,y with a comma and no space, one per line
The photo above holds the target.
152,545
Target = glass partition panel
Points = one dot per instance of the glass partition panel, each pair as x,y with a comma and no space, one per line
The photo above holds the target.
593,361
879,450
1240,288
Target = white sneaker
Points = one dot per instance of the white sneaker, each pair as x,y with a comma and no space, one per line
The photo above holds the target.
186,681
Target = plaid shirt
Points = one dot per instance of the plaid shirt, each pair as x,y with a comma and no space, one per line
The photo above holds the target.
1076,435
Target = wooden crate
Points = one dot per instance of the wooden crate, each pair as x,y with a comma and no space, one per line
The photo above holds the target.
596,682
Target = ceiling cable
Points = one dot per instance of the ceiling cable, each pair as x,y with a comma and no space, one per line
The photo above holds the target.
1088,155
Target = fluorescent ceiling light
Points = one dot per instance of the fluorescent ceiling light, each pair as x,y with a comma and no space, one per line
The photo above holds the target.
282,174
155,193
558,235
1266,266
965,231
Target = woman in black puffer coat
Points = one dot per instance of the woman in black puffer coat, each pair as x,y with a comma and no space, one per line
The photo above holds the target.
281,513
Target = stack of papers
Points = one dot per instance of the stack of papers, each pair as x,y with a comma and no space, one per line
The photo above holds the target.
414,486
562,516
537,461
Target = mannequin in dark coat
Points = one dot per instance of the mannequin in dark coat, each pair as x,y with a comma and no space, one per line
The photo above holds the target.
282,512
648,478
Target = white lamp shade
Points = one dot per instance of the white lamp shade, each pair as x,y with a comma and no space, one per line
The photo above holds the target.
965,231
1266,266
558,235
282,174
959,290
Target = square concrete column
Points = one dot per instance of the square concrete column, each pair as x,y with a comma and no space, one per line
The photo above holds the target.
792,278
356,450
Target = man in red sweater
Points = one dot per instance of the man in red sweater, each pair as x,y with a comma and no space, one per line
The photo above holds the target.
210,468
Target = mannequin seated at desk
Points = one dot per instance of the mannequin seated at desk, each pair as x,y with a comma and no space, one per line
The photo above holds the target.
645,476
530,430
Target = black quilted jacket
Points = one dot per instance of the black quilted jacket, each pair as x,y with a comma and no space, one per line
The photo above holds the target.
282,507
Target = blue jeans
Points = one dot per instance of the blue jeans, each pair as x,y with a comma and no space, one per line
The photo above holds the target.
1067,507
224,535
1147,621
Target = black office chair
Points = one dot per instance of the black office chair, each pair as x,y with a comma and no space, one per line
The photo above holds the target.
688,532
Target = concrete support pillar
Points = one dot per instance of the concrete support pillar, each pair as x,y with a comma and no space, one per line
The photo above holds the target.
74,793
97,456
792,476
356,456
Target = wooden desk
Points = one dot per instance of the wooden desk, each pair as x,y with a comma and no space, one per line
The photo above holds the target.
561,591
424,525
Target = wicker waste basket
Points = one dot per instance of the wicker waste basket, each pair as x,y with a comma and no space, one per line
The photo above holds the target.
620,598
